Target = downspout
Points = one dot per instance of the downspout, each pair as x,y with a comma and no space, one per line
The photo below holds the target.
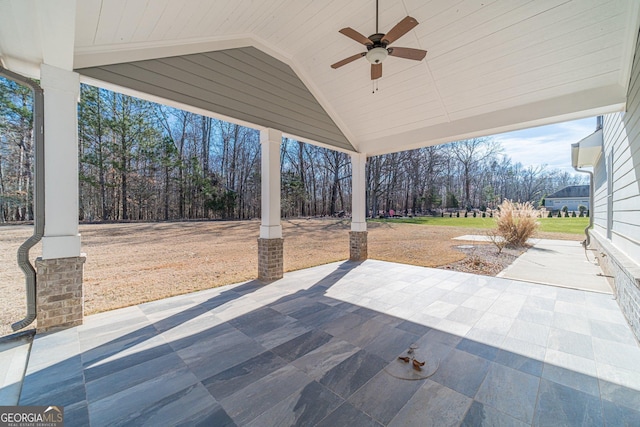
38,223
587,241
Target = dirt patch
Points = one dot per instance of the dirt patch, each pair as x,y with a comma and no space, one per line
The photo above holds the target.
133,263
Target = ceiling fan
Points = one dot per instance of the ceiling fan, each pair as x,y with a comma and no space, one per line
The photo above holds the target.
377,45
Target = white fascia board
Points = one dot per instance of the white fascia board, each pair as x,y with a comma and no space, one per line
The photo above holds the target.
589,103
95,56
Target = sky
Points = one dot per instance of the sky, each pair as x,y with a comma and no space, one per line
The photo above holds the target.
550,145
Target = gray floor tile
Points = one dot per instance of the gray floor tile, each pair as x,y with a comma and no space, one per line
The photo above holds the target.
259,322
384,396
465,315
282,334
391,343
462,372
347,415
243,374
611,331
570,342
432,405
624,356
143,398
366,332
565,406
569,378
306,407
318,362
619,394
520,362
249,402
510,391
351,374
479,349
344,323
480,414
533,333
618,415
572,323
413,328
209,358
302,345
536,315
122,379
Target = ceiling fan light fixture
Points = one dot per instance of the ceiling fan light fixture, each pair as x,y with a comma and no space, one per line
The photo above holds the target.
377,55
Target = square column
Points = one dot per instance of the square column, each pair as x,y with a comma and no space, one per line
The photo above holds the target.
270,243
358,233
61,93
59,292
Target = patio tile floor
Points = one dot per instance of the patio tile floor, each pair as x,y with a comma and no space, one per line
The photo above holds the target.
320,347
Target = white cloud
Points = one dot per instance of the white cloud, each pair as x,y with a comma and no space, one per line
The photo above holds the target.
550,145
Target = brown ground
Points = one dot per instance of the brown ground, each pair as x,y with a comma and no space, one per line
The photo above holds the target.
132,263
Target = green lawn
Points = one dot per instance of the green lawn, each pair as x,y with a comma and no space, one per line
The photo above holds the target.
551,225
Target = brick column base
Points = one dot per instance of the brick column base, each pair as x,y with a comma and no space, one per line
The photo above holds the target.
270,259
358,245
59,295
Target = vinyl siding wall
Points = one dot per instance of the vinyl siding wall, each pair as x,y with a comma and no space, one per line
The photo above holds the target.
620,162
616,232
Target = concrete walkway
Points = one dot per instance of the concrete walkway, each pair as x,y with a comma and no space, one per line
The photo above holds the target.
559,263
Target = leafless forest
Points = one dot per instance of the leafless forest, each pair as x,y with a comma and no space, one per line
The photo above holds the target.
142,161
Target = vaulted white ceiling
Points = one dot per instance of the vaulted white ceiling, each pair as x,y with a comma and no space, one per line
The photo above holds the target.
491,66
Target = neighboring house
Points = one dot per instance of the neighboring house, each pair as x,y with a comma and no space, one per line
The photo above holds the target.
572,197
614,154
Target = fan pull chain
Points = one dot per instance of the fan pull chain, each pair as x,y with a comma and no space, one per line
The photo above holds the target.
374,86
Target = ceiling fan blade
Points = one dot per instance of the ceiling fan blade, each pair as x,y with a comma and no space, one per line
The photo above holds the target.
347,60
408,53
376,71
353,34
401,28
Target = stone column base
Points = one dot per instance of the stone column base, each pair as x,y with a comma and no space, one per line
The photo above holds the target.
358,245
270,259
59,294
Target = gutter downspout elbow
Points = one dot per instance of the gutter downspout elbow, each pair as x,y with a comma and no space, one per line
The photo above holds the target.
587,241
38,223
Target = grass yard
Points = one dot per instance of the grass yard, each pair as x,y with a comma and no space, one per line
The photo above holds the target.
547,225
132,263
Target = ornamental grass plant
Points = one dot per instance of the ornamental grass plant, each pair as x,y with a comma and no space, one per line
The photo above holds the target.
516,222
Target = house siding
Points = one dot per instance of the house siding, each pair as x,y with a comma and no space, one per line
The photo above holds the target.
616,210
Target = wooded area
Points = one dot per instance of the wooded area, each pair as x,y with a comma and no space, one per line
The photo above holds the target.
144,161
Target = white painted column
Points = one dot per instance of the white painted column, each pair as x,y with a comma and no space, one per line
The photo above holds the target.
358,192
61,93
270,140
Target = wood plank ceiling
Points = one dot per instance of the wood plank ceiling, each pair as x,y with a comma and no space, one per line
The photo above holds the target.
492,65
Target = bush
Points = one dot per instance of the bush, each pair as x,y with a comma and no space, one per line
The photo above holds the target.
516,222
458,214
465,214
474,214
484,214
573,214
550,215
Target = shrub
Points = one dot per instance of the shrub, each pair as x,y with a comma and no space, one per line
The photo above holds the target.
484,214
474,214
458,214
573,214
582,209
550,215
516,222
465,214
